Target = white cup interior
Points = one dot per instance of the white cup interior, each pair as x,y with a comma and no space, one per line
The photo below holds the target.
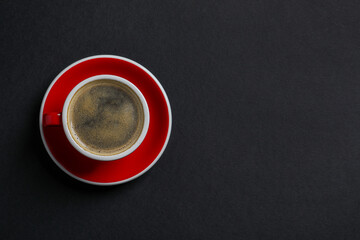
106,157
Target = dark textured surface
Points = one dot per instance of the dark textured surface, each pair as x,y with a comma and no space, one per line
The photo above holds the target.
265,98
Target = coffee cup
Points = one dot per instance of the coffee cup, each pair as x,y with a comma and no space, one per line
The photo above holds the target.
104,117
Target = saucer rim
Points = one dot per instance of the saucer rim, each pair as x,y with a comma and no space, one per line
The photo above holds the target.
107,183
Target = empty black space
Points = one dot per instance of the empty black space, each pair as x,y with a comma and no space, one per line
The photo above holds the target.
265,97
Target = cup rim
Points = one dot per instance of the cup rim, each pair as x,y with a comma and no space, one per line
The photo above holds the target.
106,157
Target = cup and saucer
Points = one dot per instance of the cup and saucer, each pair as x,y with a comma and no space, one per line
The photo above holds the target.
105,120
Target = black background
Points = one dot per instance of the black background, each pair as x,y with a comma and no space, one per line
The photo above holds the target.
266,112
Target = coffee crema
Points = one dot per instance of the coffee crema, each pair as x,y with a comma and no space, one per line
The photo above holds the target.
105,117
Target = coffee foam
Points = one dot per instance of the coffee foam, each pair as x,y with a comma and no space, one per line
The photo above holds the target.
105,117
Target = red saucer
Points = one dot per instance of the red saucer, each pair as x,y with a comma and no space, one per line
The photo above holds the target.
124,169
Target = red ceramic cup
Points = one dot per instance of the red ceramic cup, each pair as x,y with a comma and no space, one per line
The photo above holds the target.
69,157
53,119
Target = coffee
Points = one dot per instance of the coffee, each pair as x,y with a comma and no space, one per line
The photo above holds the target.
105,117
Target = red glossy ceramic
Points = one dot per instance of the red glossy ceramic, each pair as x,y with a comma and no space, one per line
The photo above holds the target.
121,170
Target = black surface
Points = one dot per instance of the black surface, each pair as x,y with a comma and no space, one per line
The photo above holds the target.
266,107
